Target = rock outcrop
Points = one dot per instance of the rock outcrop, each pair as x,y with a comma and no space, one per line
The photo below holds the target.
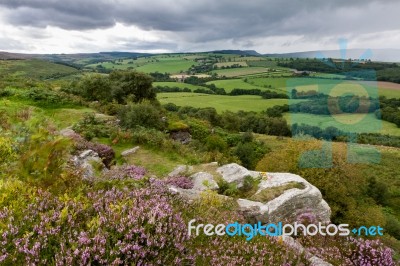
181,170
234,173
288,205
85,161
300,197
204,181
282,198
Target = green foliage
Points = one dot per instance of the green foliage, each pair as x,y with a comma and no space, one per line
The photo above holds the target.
44,162
227,189
90,127
216,143
148,136
177,126
6,150
95,87
250,153
199,129
131,85
378,191
392,226
141,114
119,86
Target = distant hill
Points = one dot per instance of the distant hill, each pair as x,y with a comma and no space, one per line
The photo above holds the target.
13,56
238,52
384,55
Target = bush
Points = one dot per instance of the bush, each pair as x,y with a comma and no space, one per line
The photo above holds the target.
148,136
142,114
216,143
91,127
199,129
177,126
44,162
180,181
110,227
6,150
119,86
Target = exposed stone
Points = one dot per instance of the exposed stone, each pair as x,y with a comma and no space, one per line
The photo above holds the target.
315,261
287,206
183,137
291,243
180,170
284,208
253,211
188,194
234,173
204,181
85,161
67,132
130,151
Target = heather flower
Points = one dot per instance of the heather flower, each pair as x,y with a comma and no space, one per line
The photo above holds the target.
180,181
125,172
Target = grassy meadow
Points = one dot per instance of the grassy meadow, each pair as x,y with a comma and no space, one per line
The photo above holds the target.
357,123
220,102
36,69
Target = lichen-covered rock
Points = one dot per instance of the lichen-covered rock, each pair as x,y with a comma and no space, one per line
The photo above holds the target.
286,206
180,170
183,137
85,161
204,181
292,202
234,173
129,152
254,211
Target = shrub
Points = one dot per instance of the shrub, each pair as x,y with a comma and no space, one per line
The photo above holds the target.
148,136
142,114
125,172
199,129
6,150
180,181
171,107
216,143
178,126
110,227
44,162
91,127
227,189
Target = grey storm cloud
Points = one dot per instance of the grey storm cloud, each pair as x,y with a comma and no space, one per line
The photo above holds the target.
210,20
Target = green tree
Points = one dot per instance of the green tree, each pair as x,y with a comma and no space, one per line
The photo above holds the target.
131,85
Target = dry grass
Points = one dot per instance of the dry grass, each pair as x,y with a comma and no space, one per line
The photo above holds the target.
269,194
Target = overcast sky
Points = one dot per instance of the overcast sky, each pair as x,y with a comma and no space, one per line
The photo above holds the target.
267,26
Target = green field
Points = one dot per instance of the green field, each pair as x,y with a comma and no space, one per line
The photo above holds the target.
359,123
225,64
178,84
172,65
335,87
230,84
220,102
243,71
161,63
